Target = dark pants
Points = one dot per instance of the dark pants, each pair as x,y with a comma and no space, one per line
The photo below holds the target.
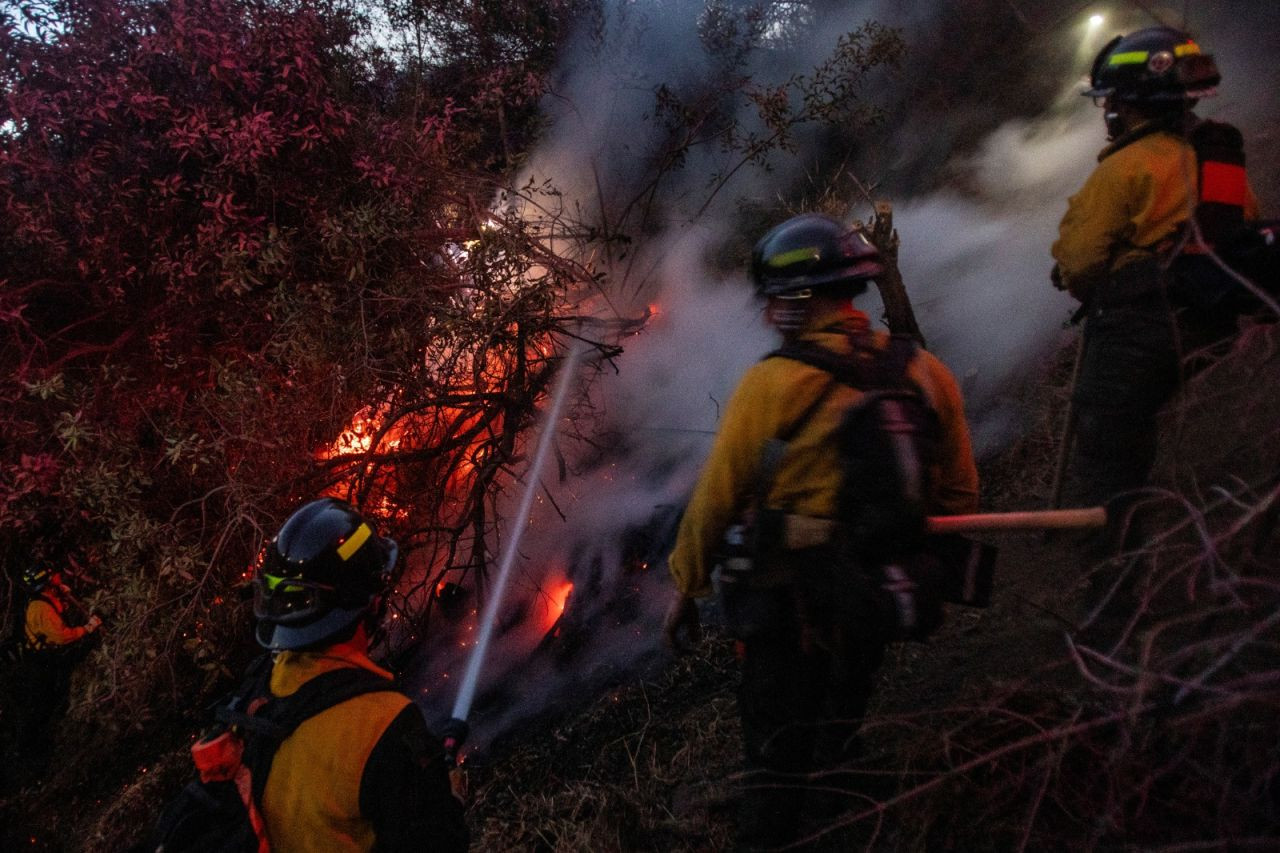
1134,360
38,690
808,662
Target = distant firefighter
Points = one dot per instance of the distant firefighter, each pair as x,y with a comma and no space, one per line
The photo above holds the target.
1140,247
772,506
57,633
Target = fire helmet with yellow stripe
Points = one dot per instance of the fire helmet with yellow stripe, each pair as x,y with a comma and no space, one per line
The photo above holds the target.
325,571
813,253
1153,65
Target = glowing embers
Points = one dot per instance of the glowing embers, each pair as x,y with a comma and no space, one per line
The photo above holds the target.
557,599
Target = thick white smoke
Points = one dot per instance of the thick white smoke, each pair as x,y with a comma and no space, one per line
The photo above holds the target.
975,257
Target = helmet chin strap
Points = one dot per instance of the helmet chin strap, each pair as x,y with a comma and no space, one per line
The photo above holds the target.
1115,125
374,618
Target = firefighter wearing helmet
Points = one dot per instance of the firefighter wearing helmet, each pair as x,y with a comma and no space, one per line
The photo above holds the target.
365,773
56,633
1136,247
805,679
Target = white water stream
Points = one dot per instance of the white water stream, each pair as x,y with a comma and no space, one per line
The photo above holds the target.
467,692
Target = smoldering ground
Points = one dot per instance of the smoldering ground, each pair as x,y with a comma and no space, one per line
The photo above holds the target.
983,139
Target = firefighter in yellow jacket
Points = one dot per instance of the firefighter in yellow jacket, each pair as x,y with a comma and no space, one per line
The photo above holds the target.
365,774
1134,246
801,669
50,615
56,635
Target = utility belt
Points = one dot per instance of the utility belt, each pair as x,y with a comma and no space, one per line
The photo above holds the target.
1131,283
753,571
754,554
1192,280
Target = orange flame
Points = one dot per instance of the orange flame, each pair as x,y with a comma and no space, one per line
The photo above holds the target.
558,597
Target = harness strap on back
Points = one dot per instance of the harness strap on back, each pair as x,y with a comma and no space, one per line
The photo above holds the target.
879,370
287,713
266,724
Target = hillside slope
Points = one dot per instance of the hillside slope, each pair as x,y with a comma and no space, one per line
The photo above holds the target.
1131,704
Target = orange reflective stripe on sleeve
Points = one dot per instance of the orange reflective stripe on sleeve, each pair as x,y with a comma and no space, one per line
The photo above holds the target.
1223,183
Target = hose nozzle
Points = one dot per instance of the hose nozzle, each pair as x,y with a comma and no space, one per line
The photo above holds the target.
452,735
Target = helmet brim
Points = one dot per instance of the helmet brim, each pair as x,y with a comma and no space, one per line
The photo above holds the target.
862,274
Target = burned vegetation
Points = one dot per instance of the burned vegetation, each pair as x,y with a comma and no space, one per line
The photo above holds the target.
251,254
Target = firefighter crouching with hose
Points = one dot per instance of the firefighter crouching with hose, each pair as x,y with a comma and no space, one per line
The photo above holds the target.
365,774
325,750
1138,247
809,640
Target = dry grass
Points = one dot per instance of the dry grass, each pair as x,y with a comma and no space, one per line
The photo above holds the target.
648,766
1131,705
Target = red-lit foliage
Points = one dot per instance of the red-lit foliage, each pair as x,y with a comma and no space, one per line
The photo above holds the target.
229,226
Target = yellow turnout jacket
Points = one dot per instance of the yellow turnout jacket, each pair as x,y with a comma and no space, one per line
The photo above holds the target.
1136,199
772,396
45,627
362,775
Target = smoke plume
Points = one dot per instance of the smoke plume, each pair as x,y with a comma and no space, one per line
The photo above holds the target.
985,138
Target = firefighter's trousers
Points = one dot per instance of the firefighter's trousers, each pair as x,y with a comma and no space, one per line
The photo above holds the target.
809,654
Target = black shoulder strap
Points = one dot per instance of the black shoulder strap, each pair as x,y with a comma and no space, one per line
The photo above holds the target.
879,369
268,726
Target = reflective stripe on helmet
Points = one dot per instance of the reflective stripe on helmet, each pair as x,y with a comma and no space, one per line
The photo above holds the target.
354,541
786,259
1137,57
1223,183
1133,57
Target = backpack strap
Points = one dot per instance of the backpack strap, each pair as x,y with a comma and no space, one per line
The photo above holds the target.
882,369
267,726
774,449
892,364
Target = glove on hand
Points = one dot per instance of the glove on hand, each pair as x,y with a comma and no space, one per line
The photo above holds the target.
683,613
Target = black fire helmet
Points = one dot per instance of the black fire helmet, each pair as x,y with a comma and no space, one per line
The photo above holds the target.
811,253
35,578
324,570
1153,65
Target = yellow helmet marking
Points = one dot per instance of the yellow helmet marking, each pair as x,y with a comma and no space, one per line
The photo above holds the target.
354,541
1133,57
1136,57
786,259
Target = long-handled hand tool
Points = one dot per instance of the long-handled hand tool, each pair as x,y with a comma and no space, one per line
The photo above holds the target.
1048,519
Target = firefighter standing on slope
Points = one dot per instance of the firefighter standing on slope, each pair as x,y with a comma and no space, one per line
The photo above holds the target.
56,635
805,666
366,773
1133,248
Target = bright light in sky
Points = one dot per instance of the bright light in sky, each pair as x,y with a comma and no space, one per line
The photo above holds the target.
1095,21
